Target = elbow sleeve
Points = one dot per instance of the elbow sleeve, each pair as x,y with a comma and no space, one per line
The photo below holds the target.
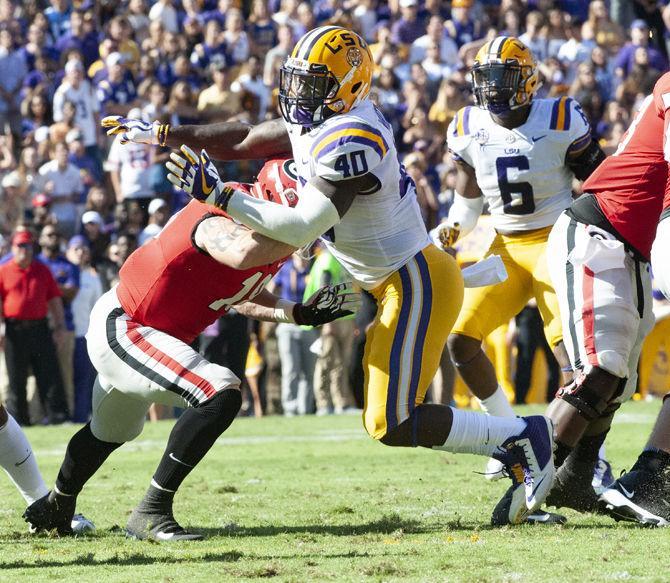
311,217
465,212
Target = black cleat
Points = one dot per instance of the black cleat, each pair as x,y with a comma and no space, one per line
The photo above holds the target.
641,495
157,527
574,491
501,513
53,511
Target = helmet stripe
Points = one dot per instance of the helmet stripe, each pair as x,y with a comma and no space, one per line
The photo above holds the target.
502,46
308,43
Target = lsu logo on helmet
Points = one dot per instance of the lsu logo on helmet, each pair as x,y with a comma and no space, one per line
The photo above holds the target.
504,75
328,72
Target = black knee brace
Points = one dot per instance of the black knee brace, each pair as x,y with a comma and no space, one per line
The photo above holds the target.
591,393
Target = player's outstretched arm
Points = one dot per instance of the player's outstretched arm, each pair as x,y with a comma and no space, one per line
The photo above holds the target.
327,304
465,210
321,206
224,141
237,246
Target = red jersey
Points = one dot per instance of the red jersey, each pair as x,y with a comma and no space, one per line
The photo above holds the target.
26,292
630,185
173,286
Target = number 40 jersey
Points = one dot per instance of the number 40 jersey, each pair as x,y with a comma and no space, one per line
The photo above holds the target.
522,172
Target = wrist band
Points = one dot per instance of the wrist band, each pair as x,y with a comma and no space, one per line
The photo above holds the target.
283,311
221,198
162,136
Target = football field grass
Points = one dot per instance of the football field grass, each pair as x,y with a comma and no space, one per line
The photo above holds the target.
314,499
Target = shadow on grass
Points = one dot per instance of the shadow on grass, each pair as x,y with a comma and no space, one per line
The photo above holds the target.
89,560
387,524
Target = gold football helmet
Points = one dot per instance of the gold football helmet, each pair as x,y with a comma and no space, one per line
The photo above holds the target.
504,75
328,72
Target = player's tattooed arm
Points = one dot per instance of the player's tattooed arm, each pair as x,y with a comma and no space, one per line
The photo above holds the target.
237,246
234,140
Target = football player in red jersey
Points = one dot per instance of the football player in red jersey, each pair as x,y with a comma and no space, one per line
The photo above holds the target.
599,254
170,289
643,493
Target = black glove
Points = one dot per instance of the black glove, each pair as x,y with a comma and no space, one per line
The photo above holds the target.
327,304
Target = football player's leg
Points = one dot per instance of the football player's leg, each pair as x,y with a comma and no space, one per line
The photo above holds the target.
18,460
642,494
547,303
115,418
484,310
417,307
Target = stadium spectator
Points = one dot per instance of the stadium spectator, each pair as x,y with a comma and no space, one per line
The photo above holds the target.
159,213
76,89
218,101
262,32
94,233
77,38
12,73
129,165
29,292
235,38
276,55
90,289
626,59
294,342
117,93
462,27
41,212
66,275
13,202
211,49
61,180
251,81
408,28
435,35
58,17
331,382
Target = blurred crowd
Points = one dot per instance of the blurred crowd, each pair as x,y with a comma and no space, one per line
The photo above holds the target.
84,202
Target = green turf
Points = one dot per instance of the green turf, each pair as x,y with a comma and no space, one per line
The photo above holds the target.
313,499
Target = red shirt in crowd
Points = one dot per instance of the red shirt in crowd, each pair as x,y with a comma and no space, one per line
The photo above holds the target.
630,184
25,293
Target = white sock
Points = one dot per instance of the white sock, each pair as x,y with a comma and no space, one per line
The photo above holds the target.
18,460
481,434
497,404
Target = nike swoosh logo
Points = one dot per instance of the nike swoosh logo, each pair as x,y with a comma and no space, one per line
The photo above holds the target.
532,494
171,456
164,535
539,138
626,492
24,459
205,188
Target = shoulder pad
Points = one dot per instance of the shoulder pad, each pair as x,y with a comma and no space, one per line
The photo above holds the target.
348,149
460,125
561,114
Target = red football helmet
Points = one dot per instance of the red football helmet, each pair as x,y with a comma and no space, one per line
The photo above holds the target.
276,182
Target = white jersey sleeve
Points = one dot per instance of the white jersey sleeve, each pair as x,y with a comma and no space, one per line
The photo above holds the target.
578,128
348,150
459,137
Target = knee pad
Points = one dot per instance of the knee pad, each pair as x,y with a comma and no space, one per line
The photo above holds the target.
591,393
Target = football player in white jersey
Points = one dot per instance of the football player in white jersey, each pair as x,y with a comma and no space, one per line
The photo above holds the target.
354,192
519,155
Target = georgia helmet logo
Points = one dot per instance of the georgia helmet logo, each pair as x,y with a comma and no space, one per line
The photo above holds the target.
354,56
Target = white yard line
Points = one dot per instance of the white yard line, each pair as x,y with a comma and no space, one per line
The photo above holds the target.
144,444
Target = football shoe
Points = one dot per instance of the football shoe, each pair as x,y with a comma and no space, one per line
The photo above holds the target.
157,527
51,512
529,461
641,495
501,513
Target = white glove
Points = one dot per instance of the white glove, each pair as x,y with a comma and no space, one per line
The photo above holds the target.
135,130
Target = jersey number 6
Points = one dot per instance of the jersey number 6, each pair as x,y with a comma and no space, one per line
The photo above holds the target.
507,188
